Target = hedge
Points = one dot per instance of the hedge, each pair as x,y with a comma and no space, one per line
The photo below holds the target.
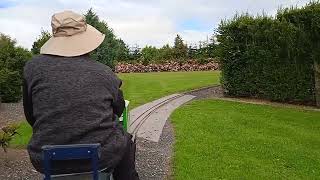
268,57
12,60
10,86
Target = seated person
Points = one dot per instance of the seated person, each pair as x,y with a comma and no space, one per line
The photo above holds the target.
71,99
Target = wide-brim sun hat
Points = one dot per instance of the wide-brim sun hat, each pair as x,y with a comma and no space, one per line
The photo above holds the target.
72,36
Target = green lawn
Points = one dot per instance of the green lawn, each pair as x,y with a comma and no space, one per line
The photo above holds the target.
229,140
22,139
141,88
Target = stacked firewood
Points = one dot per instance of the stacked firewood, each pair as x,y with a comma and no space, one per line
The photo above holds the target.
174,66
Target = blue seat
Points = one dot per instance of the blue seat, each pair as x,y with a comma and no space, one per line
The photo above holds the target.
73,152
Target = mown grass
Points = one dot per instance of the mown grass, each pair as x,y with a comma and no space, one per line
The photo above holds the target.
141,88
229,140
22,138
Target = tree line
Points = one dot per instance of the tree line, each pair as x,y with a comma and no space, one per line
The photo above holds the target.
180,52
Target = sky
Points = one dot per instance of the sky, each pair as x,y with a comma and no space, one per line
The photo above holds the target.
141,22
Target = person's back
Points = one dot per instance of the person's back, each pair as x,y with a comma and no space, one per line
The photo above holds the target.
70,99
72,104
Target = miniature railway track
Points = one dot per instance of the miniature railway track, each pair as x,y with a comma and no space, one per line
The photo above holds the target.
144,116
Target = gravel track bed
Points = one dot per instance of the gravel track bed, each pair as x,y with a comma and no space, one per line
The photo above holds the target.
153,159
11,112
207,92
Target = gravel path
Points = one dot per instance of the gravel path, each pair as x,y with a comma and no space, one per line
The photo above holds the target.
15,165
11,112
153,159
207,92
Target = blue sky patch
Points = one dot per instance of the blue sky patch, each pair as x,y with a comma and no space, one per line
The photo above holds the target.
5,3
192,24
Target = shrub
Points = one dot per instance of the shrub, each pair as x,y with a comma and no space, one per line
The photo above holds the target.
12,60
265,57
10,86
40,41
6,135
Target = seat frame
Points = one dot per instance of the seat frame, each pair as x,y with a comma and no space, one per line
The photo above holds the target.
71,152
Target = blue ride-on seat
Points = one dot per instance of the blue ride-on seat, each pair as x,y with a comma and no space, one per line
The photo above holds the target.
73,152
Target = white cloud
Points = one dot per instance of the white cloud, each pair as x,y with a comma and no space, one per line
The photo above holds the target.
135,21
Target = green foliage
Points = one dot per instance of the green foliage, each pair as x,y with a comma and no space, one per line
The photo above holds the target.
267,57
166,53
10,85
180,49
179,52
308,20
111,49
12,61
157,55
135,53
25,133
6,135
122,52
43,38
148,54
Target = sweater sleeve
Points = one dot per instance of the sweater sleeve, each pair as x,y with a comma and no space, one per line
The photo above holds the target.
118,104
27,104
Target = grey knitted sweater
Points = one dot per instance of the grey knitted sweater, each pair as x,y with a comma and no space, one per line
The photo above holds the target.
73,101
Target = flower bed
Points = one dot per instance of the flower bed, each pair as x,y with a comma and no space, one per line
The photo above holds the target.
170,66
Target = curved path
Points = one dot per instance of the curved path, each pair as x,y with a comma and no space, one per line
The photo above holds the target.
154,135
148,120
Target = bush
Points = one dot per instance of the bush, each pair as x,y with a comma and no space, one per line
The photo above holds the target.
12,61
267,58
40,41
6,135
10,86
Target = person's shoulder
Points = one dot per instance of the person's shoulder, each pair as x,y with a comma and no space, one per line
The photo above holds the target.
103,67
35,62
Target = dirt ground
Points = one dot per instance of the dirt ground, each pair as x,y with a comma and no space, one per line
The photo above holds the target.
11,112
15,165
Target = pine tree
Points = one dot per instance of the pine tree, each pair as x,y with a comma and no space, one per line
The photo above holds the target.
43,38
179,48
111,49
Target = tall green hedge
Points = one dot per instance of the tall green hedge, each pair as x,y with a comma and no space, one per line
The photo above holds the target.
308,20
10,86
267,57
12,61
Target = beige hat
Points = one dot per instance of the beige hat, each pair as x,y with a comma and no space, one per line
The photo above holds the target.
72,36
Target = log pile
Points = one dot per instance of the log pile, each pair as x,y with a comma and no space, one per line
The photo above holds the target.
170,66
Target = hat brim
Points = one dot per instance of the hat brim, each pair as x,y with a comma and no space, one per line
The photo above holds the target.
75,45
